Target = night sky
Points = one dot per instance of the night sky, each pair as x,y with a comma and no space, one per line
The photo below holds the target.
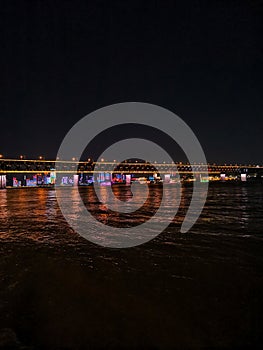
60,60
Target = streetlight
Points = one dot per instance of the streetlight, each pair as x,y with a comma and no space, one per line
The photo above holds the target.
1,156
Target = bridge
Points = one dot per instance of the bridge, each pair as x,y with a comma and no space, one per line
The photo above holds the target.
37,172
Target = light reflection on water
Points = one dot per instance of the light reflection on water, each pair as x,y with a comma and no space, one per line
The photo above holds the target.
33,213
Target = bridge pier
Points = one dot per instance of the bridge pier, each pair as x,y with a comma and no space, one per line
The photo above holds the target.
243,177
75,180
2,181
222,177
198,177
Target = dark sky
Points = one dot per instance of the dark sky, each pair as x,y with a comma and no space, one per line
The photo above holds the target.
202,60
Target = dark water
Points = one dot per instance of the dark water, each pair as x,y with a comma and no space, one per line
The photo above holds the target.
202,289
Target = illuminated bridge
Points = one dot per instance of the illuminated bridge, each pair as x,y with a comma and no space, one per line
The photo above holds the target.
30,172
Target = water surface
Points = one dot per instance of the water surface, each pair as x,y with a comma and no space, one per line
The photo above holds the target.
201,290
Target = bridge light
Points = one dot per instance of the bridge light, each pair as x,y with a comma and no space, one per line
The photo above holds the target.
40,157
1,156
73,158
102,160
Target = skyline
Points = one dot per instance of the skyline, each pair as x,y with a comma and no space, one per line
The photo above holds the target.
201,61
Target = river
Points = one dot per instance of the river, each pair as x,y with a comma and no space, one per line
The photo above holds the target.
201,289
